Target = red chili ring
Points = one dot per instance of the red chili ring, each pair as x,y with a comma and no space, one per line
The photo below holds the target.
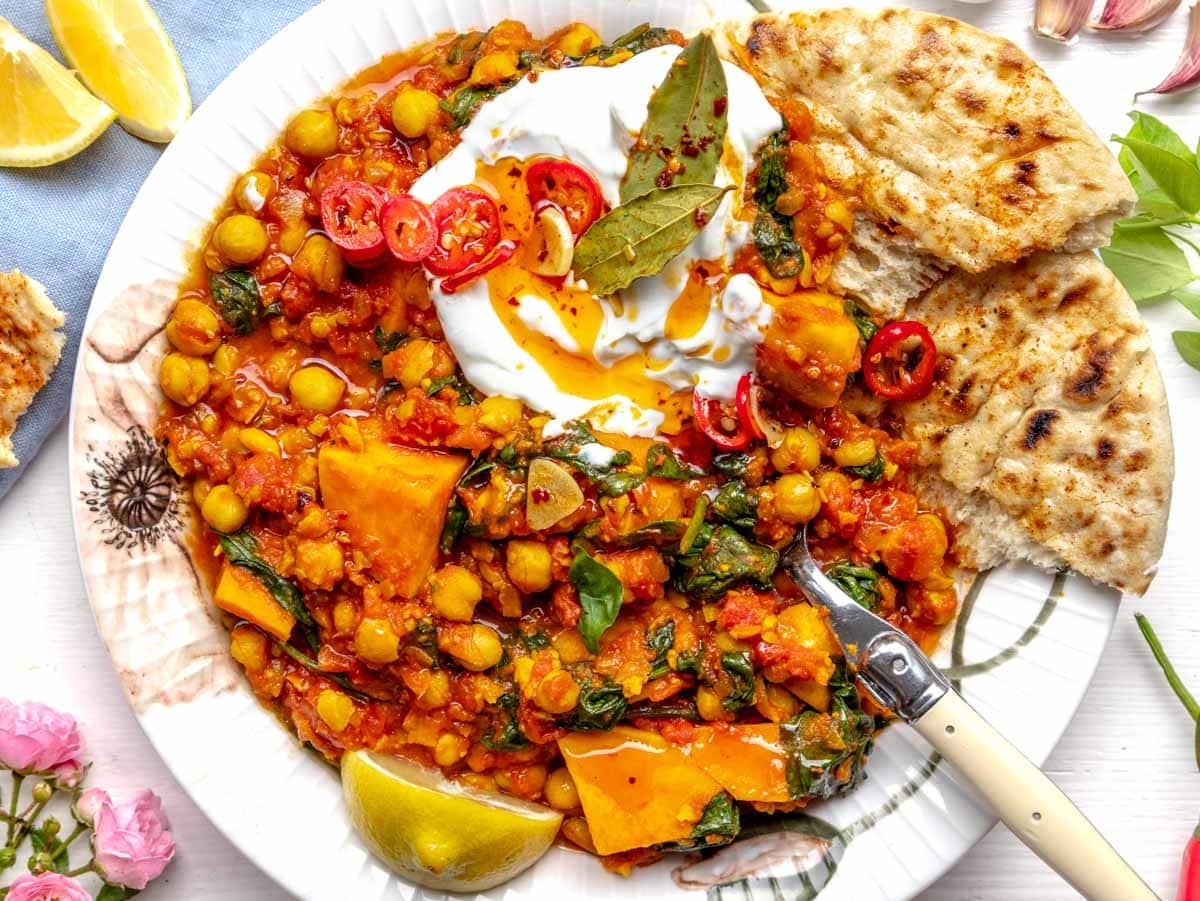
350,216
890,368
709,414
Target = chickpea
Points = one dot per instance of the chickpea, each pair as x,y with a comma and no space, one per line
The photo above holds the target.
799,452
376,642
183,379
476,647
320,564
437,692
414,110
493,68
455,591
500,414
194,328
252,191
560,790
320,261
240,239
224,510
248,647
316,389
259,442
558,692
577,40
576,830
345,615
312,134
708,704
854,453
450,749
528,563
796,498
292,235
200,490
335,709
225,360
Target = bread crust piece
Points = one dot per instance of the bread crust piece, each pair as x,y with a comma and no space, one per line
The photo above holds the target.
29,350
1047,435
956,141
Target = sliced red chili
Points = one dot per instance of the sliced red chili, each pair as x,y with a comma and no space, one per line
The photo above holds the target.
468,227
501,252
746,402
569,187
350,215
900,361
408,228
723,425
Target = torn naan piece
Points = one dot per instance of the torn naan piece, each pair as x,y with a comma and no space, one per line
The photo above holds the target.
960,147
30,348
1046,436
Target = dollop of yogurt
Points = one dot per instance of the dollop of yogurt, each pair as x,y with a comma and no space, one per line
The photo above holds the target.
686,334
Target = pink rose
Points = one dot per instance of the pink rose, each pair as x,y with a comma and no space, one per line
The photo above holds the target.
132,841
87,805
35,738
69,774
47,887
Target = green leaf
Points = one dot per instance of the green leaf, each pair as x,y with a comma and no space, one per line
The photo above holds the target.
1157,132
771,180
662,463
242,550
661,641
866,327
452,530
313,667
685,124
737,664
115,893
733,464
600,707
600,594
235,292
462,104
869,472
827,752
578,447
1175,174
1189,299
639,238
387,341
506,734
1148,263
725,559
737,504
860,582
1188,345
660,533
777,245
718,824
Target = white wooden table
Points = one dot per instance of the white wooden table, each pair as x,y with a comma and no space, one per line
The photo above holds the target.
1127,757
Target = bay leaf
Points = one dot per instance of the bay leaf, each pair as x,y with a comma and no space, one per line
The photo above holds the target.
685,124
640,237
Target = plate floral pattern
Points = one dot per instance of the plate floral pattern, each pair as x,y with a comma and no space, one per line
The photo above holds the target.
1022,651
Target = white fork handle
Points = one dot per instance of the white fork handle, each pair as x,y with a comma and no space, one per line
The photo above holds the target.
1028,803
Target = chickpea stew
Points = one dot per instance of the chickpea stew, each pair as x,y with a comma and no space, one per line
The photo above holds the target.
528,588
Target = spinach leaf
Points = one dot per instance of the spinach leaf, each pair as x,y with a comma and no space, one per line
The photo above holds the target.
425,637
860,582
466,394
732,465
312,666
662,533
387,341
236,295
697,534
727,558
578,447
737,664
719,825
639,38
1188,345
452,530
690,661
534,641
676,708
481,466
462,104
777,245
827,752
869,472
661,641
505,735
600,708
866,328
737,504
600,594
772,170
662,463
242,550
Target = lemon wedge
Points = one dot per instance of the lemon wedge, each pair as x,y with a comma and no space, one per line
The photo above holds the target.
438,833
124,56
45,114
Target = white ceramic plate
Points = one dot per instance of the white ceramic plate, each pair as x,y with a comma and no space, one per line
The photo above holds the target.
1024,648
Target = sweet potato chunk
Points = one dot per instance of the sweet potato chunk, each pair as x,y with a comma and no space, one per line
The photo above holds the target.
395,502
636,788
240,593
749,762
810,348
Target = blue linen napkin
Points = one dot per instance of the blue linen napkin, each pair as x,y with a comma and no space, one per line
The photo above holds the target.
56,223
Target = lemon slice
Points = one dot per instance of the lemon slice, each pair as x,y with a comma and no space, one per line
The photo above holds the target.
125,57
438,833
45,114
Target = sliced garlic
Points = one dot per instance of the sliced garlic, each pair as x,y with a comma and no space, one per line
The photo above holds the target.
551,494
557,244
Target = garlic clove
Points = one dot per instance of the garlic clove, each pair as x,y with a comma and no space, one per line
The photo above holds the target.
556,243
1060,20
551,494
1187,70
1133,16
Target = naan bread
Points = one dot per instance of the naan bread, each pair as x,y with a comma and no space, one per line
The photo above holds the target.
957,142
1046,436
29,351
